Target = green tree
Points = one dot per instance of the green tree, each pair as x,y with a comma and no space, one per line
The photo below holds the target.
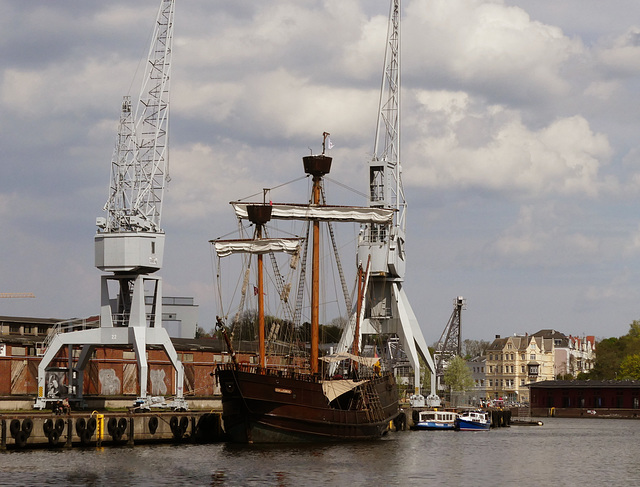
612,352
200,333
458,375
630,367
609,355
474,348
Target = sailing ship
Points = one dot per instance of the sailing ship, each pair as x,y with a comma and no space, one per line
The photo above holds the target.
264,403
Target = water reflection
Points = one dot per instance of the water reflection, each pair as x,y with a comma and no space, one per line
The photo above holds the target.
564,452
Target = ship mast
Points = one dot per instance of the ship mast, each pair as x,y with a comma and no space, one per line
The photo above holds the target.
316,166
315,212
259,215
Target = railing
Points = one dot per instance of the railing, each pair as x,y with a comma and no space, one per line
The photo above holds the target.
65,327
290,373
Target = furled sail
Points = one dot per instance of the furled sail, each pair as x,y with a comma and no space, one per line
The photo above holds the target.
335,388
338,357
259,246
322,213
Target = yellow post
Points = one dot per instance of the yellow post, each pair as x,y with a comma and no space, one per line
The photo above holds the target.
100,426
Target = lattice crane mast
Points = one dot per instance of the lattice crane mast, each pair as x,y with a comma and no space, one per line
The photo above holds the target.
450,343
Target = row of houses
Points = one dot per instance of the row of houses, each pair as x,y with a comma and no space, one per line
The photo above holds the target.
512,363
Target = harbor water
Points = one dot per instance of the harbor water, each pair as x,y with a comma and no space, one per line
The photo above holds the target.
562,452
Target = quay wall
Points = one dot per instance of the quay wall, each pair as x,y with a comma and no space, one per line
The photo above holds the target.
612,413
47,430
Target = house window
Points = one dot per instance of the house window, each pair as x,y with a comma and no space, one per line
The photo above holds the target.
533,356
490,356
18,351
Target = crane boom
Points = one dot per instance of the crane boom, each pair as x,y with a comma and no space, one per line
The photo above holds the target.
140,163
130,238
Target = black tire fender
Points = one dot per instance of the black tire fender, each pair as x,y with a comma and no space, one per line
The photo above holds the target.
21,439
59,427
54,437
81,425
92,423
112,425
153,425
27,426
47,426
14,427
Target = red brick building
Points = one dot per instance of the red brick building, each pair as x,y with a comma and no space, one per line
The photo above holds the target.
574,398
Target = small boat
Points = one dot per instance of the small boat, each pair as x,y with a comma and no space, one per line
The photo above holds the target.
473,421
435,420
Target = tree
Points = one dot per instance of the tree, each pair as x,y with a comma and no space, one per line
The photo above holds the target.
458,375
474,348
200,333
630,367
610,352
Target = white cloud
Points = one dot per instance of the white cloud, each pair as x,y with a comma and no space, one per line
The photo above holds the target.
489,47
490,147
542,236
621,53
500,112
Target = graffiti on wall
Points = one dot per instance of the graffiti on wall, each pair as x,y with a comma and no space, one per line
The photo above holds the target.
158,386
56,383
109,382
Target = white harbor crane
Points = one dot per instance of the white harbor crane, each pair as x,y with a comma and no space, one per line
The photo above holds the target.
390,312
129,243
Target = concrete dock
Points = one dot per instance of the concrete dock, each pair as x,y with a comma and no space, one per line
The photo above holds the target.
23,430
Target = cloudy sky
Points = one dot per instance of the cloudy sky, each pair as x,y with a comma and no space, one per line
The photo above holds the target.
520,144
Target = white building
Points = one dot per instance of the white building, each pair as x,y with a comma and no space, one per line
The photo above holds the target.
179,316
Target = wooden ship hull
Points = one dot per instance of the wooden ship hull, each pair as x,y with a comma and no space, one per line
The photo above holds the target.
270,406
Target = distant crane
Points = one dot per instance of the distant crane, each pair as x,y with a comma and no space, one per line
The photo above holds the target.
390,312
129,243
17,295
450,343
